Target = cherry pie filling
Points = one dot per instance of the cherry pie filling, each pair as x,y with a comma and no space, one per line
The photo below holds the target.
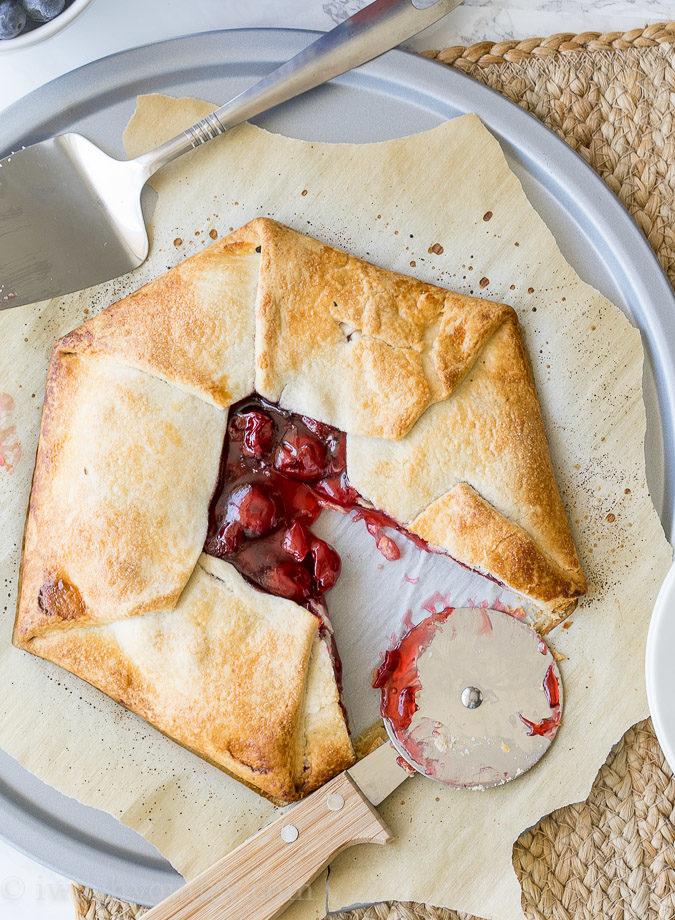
278,470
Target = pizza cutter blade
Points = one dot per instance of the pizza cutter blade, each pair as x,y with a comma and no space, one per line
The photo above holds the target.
471,697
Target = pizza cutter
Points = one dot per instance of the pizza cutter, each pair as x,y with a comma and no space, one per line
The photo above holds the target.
470,697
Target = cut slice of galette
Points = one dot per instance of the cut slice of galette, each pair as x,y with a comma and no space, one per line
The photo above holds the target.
191,435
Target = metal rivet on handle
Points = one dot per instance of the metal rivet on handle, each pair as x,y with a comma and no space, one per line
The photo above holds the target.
335,802
289,833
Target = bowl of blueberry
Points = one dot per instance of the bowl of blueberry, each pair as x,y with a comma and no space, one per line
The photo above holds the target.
24,22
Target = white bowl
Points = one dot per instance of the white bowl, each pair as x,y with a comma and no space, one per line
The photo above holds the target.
45,30
660,667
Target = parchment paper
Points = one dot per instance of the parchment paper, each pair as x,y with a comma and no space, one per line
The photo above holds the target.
443,206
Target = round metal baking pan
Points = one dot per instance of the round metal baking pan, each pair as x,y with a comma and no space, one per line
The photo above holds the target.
398,94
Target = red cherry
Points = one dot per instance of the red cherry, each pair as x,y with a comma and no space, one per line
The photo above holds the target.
237,428
258,433
229,537
301,456
337,491
301,502
287,579
387,547
277,473
320,429
338,448
297,541
255,509
327,565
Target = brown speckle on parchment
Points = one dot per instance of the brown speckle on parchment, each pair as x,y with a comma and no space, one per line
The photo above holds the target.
436,248
484,282
178,242
213,233
413,263
487,216
530,290
303,192
611,518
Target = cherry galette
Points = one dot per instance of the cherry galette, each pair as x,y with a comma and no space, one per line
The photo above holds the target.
193,432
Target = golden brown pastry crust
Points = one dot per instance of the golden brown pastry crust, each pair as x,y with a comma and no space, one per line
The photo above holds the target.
362,348
193,325
444,433
209,674
476,480
119,505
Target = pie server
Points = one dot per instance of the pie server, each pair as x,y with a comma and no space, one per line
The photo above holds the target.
70,215
470,697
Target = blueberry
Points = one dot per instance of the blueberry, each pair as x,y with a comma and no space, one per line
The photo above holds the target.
12,19
43,10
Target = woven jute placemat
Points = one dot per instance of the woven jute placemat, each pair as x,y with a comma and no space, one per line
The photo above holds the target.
612,98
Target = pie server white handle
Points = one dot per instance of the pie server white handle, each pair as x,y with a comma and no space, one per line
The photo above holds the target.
258,879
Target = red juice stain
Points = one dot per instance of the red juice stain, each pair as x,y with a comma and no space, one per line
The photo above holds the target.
404,765
485,628
548,726
10,446
552,688
376,521
398,675
433,601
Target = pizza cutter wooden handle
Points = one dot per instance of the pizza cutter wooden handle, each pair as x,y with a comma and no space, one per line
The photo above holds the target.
264,874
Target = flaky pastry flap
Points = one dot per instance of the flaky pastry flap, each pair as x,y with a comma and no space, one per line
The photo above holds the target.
118,512
239,676
357,346
476,480
194,325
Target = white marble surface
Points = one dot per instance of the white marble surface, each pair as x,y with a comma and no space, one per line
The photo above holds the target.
28,891
107,26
